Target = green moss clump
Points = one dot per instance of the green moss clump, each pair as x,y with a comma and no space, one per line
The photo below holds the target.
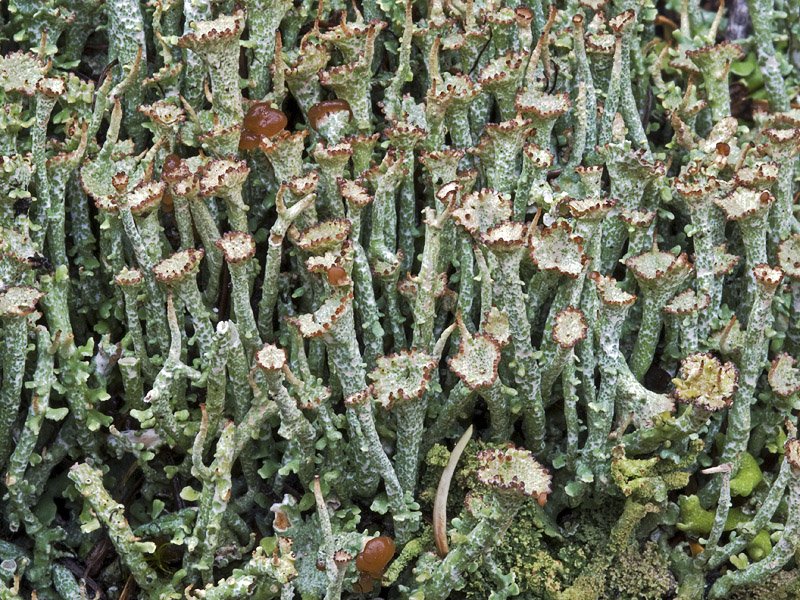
523,552
748,478
640,574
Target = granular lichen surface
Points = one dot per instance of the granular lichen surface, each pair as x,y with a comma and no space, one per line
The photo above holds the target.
399,299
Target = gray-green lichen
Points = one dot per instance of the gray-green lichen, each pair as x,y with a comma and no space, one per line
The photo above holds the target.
262,263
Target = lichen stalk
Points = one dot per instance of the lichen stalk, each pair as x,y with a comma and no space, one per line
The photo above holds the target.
214,499
509,297
601,415
762,16
751,362
89,482
15,334
263,18
269,290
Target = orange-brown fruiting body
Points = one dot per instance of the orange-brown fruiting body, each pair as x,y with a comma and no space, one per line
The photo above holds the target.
261,119
322,109
336,275
377,553
364,585
249,141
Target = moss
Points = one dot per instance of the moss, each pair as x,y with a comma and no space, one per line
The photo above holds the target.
640,574
783,585
748,477
463,482
694,518
698,521
524,552
589,527
435,461
544,563
760,546
533,550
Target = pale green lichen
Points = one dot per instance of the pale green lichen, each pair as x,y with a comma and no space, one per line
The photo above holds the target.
261,266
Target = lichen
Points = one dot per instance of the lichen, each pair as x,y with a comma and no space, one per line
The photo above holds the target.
263,263
642,573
